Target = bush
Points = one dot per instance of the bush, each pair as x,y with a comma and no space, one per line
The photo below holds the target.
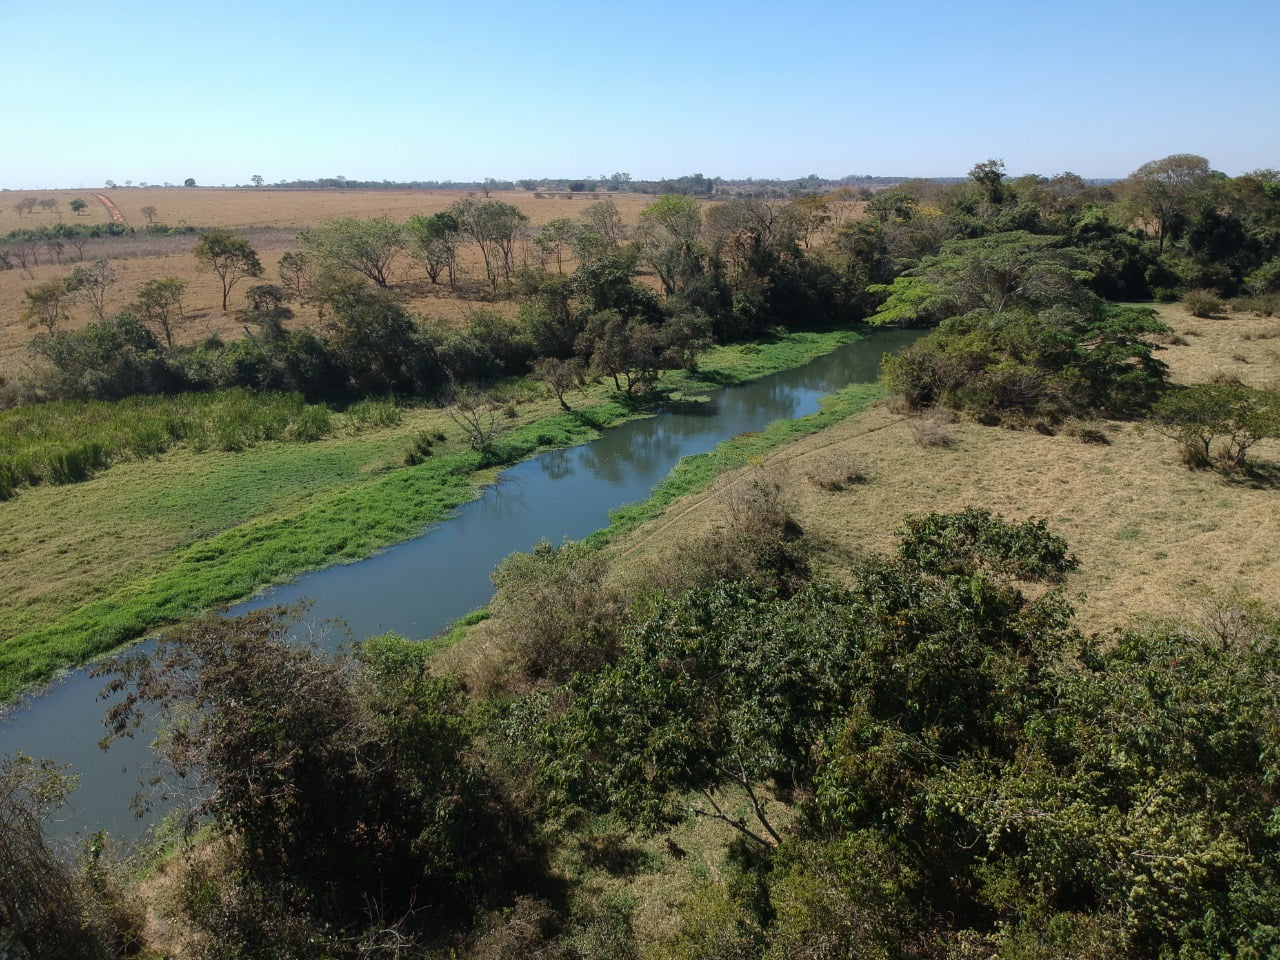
1203,303
556,610
838,471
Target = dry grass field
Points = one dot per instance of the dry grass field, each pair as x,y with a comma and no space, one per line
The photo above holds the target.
270,218
1154,538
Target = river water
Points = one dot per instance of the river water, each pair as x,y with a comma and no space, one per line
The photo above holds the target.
421,586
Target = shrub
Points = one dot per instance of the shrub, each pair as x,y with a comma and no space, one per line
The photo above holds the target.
932,431
556,609
313,423
1203,303
837,471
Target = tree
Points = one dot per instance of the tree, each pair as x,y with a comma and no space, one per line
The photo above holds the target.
257,180
494,226
1164,190
267,310
559,376
159,305
347,786
555,239
93,283
989,175
723,687
296,274
433,242
479,419
229,256
42,904
366,247
1198,415
78,206
150,213
602,231
189,182
48,305
668,233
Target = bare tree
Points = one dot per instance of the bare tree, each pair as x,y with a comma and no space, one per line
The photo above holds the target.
478,418
150,213
55,246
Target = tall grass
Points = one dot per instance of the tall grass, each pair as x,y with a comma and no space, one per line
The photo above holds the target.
70,441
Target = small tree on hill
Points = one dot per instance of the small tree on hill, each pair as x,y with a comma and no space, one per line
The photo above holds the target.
366,247
78,206
47,306
93,283
229,256
160,305
1201,415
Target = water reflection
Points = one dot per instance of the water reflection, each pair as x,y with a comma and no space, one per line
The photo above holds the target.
421,586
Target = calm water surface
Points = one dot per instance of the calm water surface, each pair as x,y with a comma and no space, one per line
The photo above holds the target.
423,585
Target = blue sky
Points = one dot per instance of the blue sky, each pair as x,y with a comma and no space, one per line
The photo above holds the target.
390,89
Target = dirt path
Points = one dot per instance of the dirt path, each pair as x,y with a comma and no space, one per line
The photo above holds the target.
112,209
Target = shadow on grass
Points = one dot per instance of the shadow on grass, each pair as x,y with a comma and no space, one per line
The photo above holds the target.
1259,475
616,855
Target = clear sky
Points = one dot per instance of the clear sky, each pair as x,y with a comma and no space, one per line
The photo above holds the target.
401,90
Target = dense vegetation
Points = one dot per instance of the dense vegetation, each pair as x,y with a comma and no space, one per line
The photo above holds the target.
918,755
932,760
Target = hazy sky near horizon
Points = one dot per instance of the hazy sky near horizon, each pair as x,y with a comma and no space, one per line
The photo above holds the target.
400,90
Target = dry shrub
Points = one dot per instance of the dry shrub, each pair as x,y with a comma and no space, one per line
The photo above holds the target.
932,430
759,541
1086,431
554,611
837,472
514,934
1204,304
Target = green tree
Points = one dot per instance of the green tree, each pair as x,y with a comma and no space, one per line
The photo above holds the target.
47,305
93,283
229,256
1199,415
555,239
989,175
159,305
257,180
494,226
78,206
366,247
669,236
434,242
1164,190
724,687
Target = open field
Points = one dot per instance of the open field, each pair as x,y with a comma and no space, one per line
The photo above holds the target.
1154,538
270,219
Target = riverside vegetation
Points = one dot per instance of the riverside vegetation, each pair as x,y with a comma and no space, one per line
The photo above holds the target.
752,746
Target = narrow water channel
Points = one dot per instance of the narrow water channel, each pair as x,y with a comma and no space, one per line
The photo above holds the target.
422,585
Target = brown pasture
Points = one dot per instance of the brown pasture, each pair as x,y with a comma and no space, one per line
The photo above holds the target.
1154,538
270,219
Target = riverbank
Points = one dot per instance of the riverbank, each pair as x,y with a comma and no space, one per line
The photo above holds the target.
97,565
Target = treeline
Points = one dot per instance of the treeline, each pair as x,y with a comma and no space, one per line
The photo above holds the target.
695,184
932,760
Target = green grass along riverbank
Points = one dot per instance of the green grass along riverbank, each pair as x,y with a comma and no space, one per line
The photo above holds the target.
100,564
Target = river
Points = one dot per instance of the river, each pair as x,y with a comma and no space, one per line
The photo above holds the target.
421,586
